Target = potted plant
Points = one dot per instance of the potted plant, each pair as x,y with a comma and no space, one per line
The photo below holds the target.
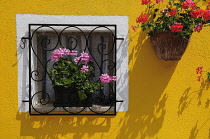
170,28
72,78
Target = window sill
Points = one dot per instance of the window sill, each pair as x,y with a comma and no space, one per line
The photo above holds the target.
44,109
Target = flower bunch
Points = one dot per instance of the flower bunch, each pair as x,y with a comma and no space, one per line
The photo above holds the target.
144,2
195,13
176,27
84,58
142,18
198,27
182,17
73,70
199,71
62,52
173,12
188,4
206,15
107,79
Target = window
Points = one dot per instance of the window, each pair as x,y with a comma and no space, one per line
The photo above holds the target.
100,44
99,40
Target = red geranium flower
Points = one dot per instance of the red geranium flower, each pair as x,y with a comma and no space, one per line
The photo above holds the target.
134,28
206,15
188,4
199,70
173,12
176,27
196,13
145,2
142,18
158,1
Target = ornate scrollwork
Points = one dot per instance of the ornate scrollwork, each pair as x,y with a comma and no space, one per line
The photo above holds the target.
36,101
103,103
23,42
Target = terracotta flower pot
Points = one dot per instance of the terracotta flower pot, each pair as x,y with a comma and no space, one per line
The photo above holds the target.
168,47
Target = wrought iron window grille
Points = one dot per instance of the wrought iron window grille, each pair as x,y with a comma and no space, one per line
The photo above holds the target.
38,42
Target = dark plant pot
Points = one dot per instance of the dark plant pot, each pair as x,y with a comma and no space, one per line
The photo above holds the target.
167,46
68,97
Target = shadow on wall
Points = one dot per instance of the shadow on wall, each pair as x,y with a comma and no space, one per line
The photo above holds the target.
195,130
148,79
188,96
50,127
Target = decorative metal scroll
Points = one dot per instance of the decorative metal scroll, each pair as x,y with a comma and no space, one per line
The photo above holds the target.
98,40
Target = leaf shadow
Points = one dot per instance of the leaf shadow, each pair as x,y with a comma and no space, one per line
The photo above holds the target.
188,96
52,127
194,131
147,100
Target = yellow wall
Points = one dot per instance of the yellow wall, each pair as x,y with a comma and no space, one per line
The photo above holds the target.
165,100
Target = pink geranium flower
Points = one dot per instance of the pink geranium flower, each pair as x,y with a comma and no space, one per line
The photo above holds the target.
84,58
198,27
105,78
84,68
61,52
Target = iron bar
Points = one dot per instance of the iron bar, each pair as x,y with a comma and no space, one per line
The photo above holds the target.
59,30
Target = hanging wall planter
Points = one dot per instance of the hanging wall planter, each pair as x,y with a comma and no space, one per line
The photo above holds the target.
167,46
181,18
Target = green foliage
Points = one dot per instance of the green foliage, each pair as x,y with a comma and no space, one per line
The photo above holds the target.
162,20
208,75
68,74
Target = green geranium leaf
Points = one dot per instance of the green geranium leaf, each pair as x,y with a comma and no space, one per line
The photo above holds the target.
208,74
82,95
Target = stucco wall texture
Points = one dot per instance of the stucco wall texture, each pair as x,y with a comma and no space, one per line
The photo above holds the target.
165,100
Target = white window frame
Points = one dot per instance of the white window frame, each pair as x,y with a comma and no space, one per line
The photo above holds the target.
22,21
